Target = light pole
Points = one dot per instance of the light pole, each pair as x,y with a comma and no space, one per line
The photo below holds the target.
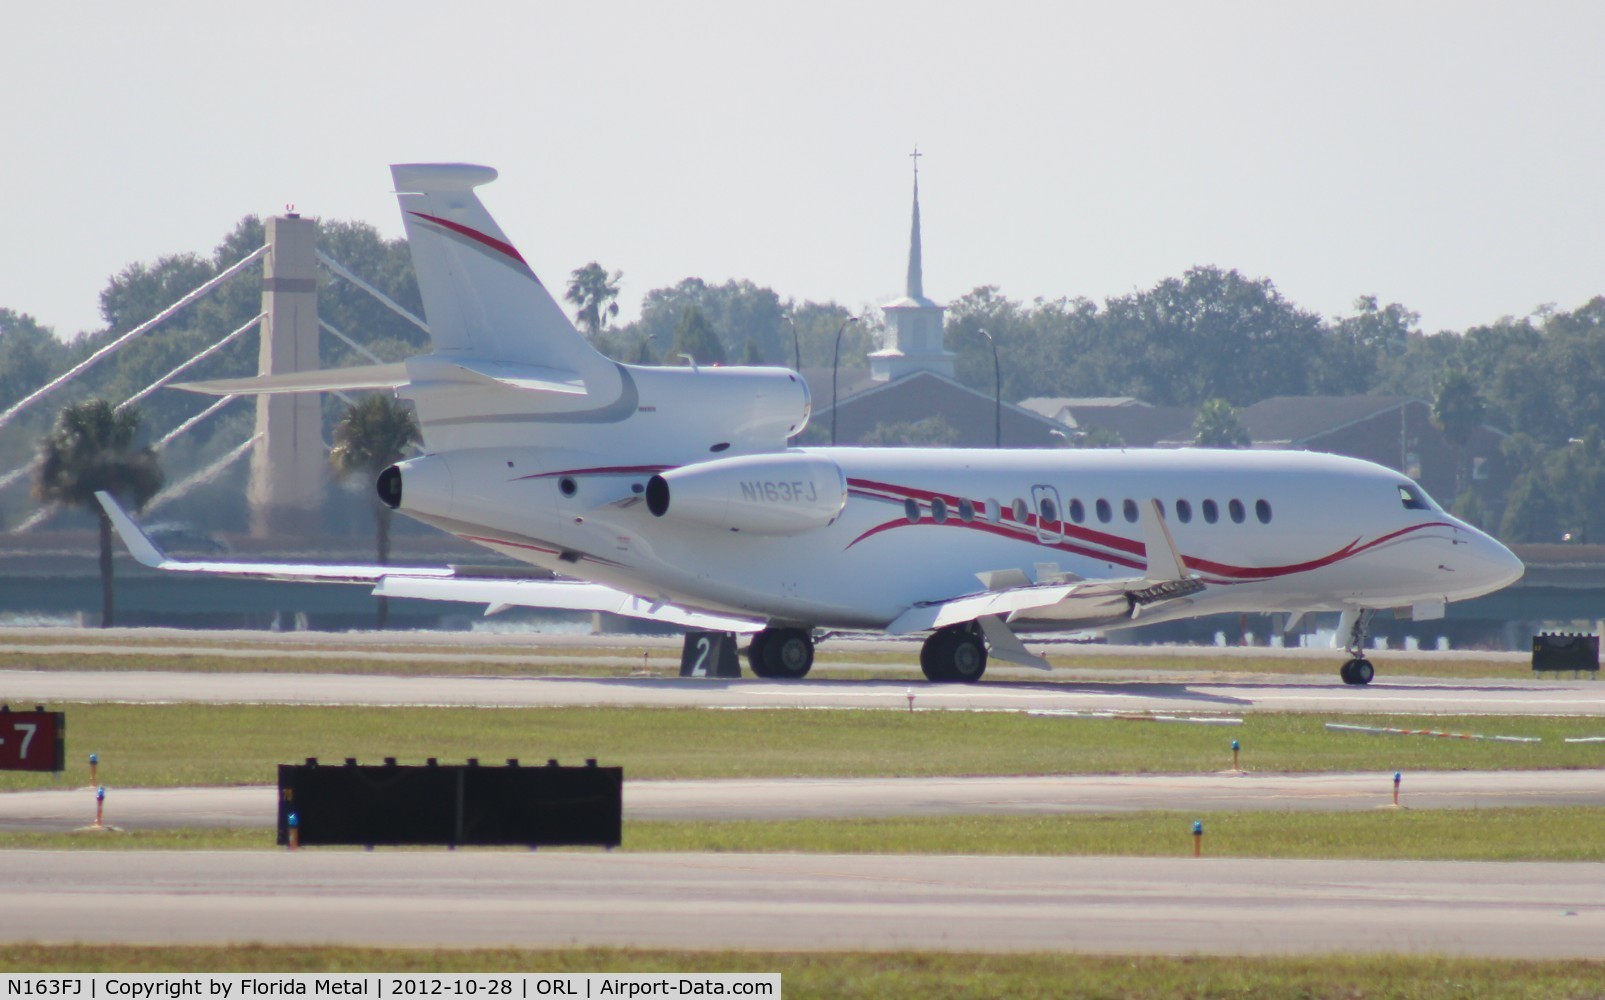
997,393
835,363
796,345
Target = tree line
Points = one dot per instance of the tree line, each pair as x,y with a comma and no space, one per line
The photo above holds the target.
1208,335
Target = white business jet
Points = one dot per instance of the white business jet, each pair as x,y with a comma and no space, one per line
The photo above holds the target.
672,494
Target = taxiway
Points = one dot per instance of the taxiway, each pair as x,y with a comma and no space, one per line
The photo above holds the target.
1105,905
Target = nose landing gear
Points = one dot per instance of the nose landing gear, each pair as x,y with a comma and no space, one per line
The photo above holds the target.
1358,669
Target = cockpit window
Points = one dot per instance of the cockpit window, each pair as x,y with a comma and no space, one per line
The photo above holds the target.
1413,498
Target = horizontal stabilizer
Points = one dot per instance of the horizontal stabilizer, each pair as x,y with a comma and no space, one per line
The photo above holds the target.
517,376
534,378
322,380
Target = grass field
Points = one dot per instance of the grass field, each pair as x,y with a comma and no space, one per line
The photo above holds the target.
852,975
1546,834
175,745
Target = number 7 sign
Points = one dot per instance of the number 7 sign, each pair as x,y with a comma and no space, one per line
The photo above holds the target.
33,741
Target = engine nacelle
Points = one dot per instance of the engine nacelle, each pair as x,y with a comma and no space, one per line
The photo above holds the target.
418,485
761,494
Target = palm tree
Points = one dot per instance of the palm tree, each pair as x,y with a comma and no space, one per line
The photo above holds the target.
593,290
1458,411
90,448
373,434
1218,426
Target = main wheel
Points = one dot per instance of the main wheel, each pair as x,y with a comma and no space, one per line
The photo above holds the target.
787,653
954,654
755,660
936,656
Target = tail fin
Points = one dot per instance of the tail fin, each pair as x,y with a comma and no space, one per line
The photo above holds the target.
481,299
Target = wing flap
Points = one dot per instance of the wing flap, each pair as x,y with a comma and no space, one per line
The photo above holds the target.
563,595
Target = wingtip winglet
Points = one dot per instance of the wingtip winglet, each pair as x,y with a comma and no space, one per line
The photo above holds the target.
139,544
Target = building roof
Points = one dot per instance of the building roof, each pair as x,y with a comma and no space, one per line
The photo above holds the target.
861,397
1289,421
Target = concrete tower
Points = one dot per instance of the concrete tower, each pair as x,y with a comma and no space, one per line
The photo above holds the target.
289,462
913,322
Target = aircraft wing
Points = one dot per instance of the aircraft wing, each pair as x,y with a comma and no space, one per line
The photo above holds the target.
566,595
1081,602
444,583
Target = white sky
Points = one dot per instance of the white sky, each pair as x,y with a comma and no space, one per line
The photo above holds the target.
1445,155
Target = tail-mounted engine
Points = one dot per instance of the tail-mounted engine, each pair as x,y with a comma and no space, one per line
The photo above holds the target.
761,494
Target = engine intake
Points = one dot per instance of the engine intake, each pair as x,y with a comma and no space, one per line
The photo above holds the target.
761,494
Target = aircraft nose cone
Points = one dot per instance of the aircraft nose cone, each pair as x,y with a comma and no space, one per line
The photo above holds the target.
1491,566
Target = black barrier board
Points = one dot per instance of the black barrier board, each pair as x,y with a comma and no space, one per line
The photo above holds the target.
394,805
1565,651
33,741
710,654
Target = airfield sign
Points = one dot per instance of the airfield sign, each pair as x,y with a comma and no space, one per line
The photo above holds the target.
33,741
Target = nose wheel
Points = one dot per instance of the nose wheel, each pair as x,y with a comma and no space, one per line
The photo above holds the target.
1357,671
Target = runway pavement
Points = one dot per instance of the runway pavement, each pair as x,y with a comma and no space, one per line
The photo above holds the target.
1104,905
847,798
1284,694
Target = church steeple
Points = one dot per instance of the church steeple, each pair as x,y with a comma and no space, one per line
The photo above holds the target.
916,276
913,323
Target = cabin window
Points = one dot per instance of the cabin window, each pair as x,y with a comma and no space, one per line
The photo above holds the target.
1184,511
1022,513
1128,508
1047,511
966,511
1078,511
1412,498
994,511
1235,508
1262,510
1211,512
938,510
911,510
1105,512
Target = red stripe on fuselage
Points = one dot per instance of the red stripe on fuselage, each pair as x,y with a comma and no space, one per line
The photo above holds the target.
1027,532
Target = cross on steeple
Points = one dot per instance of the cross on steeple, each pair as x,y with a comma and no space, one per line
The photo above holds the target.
915,289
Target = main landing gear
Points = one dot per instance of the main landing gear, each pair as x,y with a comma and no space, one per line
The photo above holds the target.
781,653
1358,669
955,653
